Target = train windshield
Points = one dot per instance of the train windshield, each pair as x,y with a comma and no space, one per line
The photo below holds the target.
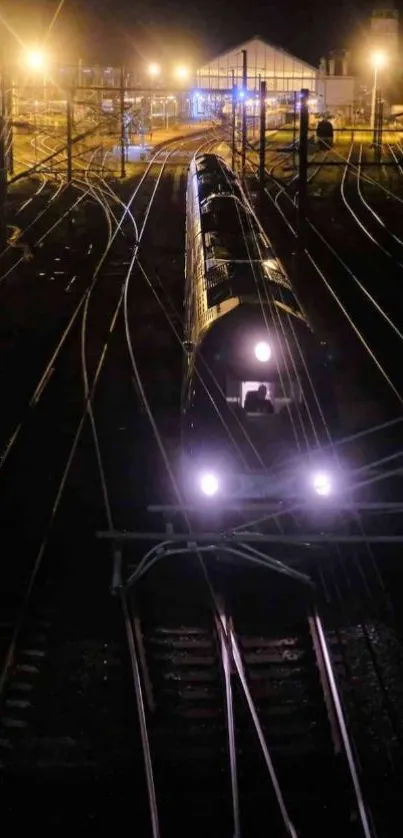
263,397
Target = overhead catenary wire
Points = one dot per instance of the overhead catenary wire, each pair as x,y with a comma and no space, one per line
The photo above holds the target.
270,302
275,314
342,307
359,521
363,535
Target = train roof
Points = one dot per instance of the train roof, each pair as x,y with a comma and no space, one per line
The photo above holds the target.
239,260
212,162
233,234
215,177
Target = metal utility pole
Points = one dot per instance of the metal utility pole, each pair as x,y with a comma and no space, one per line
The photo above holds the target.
373,97
122,124
10,132
294,131
233,125
69,117
303,171
262,144
244,92
378,126
7,114
3,168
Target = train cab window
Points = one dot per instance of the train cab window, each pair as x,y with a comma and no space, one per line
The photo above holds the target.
255,397
263,397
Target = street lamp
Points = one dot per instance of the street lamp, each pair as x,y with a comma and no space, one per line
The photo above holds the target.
166,108
182,73
378,60
35,59
154,70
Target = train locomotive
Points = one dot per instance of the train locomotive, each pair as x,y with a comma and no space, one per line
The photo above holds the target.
257,397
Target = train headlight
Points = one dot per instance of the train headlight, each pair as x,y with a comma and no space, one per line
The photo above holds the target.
322,483
209,484
262,351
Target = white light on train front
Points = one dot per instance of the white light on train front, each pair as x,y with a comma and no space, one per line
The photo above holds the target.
322,484
262,351
271,264
209,484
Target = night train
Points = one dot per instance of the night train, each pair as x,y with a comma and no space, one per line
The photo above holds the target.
257,395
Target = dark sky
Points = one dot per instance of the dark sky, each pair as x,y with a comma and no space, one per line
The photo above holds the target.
189,30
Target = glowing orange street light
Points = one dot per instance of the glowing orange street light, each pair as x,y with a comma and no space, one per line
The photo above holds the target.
35,59
378,60
154,70
182,73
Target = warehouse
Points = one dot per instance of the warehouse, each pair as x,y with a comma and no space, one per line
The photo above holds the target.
331,87
283,73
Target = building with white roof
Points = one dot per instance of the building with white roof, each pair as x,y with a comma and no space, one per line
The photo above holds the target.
282,72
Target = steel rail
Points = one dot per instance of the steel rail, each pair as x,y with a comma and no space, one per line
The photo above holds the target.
9,658
89,393
366,293
331,697
37,166
45,376
352,212
366,824
229,706
370,209
236,656
155,827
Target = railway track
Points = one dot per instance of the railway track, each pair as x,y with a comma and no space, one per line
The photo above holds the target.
396,152
31,586
62,203
166,645
51,290
182,652
352,189
287,657
189,686
110,274
290,190
362,297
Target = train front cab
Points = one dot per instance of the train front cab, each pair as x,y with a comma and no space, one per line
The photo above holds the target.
262,412
250,414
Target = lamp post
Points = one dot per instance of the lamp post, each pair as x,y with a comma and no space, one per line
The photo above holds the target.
378,60
182,74
36,61
154,71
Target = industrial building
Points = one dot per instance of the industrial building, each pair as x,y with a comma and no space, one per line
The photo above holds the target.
283,73
336,89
